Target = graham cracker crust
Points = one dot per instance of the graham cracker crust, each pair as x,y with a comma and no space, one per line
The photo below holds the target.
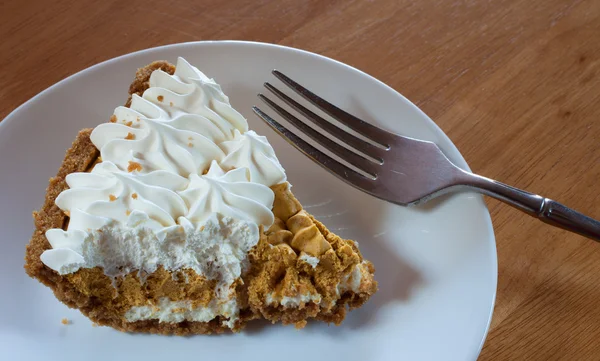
276,268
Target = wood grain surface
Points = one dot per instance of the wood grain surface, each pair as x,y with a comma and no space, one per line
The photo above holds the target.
514,83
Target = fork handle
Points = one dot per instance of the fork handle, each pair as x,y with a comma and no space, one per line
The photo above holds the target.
545,209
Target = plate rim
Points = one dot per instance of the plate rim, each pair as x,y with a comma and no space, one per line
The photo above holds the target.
9,118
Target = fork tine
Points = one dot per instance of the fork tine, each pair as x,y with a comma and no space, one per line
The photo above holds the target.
348,175
347,155
355,142
372,132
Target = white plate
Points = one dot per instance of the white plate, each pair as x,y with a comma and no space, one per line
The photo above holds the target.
436,264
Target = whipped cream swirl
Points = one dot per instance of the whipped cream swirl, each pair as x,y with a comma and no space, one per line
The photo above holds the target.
230,194
254,152
108,193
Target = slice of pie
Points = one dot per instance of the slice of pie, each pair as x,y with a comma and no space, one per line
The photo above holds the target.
174,218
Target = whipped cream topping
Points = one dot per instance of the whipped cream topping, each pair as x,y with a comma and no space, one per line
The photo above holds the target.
254,152
107,193
182,184
230,194
175,126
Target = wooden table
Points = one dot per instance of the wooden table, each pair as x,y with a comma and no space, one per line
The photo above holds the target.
514,83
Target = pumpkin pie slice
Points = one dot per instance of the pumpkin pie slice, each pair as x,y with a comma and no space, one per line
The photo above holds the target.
174,218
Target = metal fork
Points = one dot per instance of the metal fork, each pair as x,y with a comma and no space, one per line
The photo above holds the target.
399,169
